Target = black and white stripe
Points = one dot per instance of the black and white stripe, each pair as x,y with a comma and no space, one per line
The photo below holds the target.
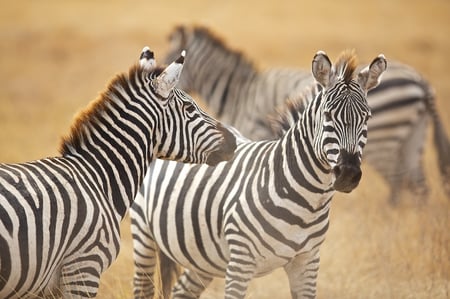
268,206
59,217
242,96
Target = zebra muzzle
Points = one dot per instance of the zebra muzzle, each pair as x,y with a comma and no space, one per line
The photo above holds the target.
226,150
347,172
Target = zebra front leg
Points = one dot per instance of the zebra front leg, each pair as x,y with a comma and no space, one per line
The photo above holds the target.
302,274
240,270
190,285
145,255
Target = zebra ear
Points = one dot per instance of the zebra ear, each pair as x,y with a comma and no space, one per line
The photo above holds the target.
370,76
322,68
168,79
147,59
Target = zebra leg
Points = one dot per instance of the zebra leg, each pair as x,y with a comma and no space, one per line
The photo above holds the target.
240,270
409,168
396,186
190,285
302,274
145,256
144,269
413,161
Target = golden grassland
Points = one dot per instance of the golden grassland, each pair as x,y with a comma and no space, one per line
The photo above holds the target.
56,56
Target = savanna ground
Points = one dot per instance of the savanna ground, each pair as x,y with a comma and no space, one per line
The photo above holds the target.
55,56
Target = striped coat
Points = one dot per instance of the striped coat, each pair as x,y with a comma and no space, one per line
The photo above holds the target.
266,208
60,216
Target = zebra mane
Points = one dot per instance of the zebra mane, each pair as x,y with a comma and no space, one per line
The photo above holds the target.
290,112
346,65
201,33
93,112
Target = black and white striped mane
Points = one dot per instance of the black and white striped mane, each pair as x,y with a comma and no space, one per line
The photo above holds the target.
288,114
198,33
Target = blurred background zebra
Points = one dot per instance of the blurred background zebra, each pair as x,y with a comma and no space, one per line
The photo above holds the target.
242,96
266,208
60,217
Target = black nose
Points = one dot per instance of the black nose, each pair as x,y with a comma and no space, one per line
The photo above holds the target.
350,173
347,172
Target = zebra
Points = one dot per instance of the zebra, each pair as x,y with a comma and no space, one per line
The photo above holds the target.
266,208
242,96
60,216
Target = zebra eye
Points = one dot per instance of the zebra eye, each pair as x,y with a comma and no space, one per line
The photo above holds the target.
327,115
190,108
368,116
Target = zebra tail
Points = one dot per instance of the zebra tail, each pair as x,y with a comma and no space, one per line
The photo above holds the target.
441,141
168,272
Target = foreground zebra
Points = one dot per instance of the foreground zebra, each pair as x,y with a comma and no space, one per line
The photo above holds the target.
266,208
59,217
241,96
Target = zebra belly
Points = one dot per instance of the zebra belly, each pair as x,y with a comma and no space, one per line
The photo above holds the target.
194,243
210,257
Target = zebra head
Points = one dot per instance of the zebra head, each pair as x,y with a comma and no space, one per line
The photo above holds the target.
343,113
187,133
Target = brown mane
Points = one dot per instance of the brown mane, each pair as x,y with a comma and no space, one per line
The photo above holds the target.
289,113
346,65
92,112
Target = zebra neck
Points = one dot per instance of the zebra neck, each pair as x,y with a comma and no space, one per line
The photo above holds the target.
117,173
118,170
299,146
112,141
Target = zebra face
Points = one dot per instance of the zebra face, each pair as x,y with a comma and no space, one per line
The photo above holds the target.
344,137
195,136
187,133
343,114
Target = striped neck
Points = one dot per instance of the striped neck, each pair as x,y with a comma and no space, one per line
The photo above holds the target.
300,165
111,138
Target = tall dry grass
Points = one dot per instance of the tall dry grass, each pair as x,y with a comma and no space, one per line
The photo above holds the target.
56,56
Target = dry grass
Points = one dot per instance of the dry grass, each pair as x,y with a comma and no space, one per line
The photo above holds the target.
56,56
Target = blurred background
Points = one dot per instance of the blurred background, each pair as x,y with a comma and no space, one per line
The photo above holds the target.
56,56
